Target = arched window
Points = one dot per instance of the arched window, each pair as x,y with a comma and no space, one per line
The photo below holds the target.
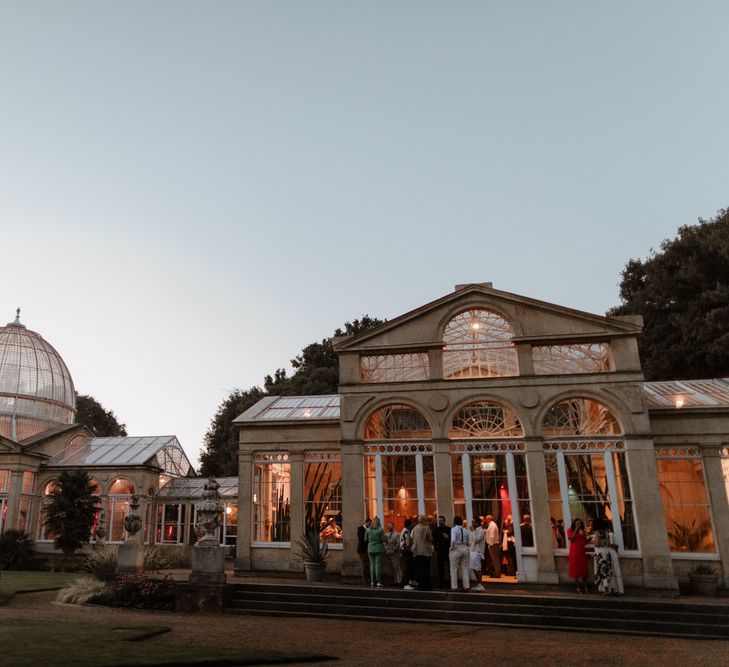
478,345
579,417
46,533
120,495
396,422
485,419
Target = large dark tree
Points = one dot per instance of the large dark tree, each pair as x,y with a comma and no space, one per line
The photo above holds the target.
69,513
682,292
103,423
316,371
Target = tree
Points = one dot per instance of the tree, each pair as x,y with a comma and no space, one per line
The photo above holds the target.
70,511
103,423
682,292
316,371
220,456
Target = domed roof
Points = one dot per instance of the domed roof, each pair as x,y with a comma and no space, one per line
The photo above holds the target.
36,389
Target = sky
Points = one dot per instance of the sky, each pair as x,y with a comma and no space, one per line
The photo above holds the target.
191,192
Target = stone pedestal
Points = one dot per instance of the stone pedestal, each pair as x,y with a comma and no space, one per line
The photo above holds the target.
191,598
130,557
208,564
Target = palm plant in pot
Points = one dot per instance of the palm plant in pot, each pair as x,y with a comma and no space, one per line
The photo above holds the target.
313,548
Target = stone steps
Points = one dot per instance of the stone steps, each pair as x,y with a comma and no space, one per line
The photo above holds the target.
518,609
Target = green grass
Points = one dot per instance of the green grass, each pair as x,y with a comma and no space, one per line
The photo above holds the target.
12,582
87,644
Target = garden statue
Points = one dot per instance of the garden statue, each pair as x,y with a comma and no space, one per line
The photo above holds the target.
100,533
208,557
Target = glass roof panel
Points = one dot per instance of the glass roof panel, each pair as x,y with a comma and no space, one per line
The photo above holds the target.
298,408
192,488
688,393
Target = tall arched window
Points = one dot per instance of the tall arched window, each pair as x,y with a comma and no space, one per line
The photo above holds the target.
485,419
395,422
120,495
478,345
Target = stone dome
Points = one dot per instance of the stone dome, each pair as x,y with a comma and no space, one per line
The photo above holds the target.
36,389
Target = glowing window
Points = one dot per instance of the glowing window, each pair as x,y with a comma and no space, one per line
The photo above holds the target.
408,367
579,416
478,345
570,359
485,419
394,422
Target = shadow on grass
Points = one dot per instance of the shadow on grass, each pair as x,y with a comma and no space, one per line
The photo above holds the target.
30,643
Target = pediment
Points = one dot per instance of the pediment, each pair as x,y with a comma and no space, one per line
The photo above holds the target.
531,319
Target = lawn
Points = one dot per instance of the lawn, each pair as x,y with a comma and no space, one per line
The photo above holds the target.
12,582
80,644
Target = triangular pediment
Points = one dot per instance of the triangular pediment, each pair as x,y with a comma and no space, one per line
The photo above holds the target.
7,445
531,319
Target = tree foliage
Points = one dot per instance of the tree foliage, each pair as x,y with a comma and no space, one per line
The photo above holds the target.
103,423
682,292
316,371
70,511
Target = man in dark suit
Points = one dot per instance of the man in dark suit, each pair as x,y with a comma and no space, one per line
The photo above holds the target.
442,543
362,551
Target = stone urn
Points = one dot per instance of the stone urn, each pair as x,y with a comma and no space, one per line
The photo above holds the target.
130,555
208,557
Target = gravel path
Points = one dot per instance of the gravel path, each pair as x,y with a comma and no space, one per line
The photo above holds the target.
367,643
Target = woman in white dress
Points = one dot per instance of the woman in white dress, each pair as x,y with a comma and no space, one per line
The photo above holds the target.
608,577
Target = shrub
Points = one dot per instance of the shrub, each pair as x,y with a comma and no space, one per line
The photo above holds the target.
138,591
16,550
101,562
156,558
81,590
178,558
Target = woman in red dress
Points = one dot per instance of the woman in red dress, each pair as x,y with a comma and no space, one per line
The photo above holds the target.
578,558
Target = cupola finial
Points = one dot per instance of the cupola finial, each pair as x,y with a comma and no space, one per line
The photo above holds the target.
17,315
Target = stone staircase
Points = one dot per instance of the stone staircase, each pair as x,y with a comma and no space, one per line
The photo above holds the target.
524,609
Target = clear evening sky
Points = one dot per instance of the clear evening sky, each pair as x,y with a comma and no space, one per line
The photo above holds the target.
192,191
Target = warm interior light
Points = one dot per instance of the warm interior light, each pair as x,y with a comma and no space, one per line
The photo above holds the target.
229,510
679,402
402,493
475,325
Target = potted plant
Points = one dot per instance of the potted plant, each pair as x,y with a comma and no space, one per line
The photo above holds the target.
704,579
314,551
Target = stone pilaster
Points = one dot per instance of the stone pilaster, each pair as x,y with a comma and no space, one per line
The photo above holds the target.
443,477
245,512
640,460
352,507
435,361
524,359
541,524
14,488
296,461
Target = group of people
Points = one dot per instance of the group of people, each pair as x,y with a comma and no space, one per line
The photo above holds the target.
469,550
608,577
465,552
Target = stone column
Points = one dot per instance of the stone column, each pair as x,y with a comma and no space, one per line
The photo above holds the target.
296,461
245,512
640,460
541,524
435,361
719,505
14,489
352,507
443,477
524,359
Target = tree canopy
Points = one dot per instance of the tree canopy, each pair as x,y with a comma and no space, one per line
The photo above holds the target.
70,511
316,371
682,292
103,423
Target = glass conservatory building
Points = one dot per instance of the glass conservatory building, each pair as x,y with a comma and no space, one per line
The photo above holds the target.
486,402
39,439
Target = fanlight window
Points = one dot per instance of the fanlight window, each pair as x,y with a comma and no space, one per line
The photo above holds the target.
485,419
579,416
569,359
477,345
395,422
121,486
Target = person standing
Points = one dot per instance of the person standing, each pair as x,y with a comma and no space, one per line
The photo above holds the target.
527,534
578,556
608,577
406,556
362,551
493,543
442,543
459,554
375,538
392,552
422,551
508,545
477,547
